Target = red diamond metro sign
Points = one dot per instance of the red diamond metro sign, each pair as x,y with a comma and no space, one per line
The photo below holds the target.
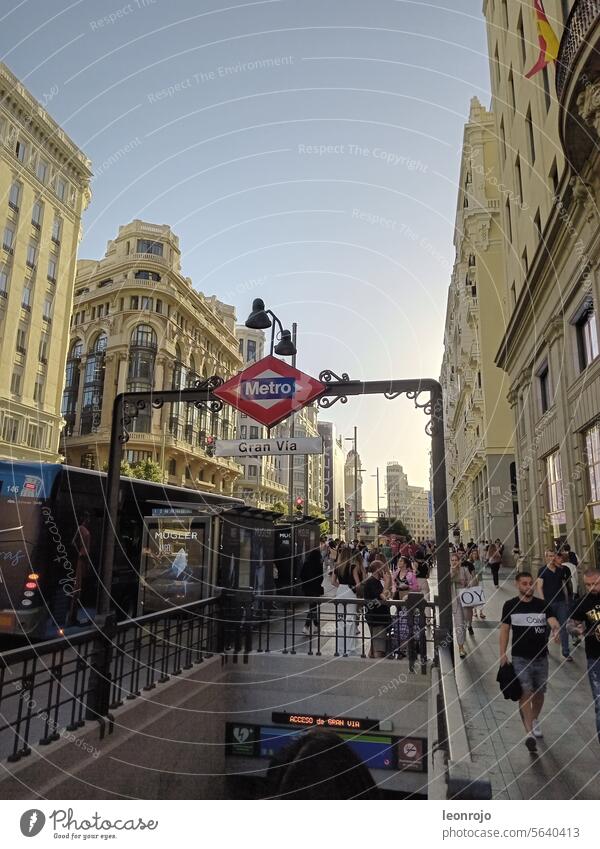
269,391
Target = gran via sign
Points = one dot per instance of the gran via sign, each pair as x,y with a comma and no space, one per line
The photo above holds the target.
254,447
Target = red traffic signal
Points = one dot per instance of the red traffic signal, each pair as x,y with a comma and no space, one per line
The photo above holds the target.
299,503
211,444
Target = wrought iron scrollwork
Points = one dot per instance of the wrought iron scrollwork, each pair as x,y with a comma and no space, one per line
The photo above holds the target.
329,377
210,384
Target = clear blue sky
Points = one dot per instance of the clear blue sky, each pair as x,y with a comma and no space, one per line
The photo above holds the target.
305,152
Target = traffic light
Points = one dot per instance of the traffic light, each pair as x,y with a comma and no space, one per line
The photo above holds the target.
211,444
342,517
299,504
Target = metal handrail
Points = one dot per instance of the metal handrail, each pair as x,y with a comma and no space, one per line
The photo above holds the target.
583,15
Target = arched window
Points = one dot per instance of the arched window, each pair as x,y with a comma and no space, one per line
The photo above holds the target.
140,378
93,385
71,391
143,336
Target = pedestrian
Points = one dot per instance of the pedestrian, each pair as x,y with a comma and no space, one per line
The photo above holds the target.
551,586
332,556
345,578
586,620
570,562
494,559
476,570
528,617
459,578
377,611
311,576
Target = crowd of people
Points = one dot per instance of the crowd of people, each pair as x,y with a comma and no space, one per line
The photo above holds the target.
551,606
376,574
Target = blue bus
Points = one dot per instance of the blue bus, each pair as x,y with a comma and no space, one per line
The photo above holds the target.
52,522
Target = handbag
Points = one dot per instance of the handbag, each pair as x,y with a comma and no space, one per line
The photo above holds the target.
471,597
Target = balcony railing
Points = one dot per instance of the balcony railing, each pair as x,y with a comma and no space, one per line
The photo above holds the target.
579,23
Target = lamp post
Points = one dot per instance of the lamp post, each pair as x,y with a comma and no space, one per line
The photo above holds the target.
354,441
261,318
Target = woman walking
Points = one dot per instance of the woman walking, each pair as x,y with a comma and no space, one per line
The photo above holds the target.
459,578
494,558
378,613
346,576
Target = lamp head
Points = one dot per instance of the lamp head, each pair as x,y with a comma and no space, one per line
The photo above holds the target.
258,318
285,347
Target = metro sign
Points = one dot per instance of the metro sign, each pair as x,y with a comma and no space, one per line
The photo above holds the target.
269,391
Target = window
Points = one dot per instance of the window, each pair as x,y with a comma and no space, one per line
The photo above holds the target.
9,237
3,283
22,340
134,457
252,471
20,151
554,177
505,14
37,212
147,247
10,429
158,305
546,86
15,382
38,389
253,432
41,170
134,302
530,138
497,65
592,448
511,91
508,220
143,337
587,335
251,350
147,275
87,461
566,9
47,313
14,196
43,348
60,188
513,293
56,230
502,139
243,432
52,269
525,261
27,297
521,34
241,347
172,466
556,501
147,303
31,256
544,387
519,177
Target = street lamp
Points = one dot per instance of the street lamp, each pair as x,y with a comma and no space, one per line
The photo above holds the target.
259,320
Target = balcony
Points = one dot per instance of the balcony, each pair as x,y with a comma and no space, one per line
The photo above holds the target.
578,81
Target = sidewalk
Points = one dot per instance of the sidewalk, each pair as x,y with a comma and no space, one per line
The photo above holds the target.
568,762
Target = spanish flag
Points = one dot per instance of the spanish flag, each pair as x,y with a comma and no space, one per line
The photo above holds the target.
548,41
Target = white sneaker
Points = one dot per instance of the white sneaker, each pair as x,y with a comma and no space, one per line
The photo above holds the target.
536,729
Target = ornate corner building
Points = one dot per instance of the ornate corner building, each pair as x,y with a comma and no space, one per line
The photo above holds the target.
138,324
477,416
44,189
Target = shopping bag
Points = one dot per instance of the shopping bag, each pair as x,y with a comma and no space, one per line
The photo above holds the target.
471,596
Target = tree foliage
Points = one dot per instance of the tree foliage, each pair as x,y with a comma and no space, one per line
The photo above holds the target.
392,526
148,470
